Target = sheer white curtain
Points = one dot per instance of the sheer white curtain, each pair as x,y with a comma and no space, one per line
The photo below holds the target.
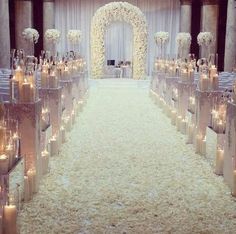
162,15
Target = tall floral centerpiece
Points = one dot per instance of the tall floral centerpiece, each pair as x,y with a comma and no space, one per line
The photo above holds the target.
183,41
31,36
52,36
205,41
74,37
161,39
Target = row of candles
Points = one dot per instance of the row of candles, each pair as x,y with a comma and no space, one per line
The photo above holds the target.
9,156
9,146
23,84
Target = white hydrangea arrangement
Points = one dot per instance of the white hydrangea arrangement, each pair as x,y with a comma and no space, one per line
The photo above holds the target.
119,11
161,37
52,35
183,40
205,38
74,36
31,35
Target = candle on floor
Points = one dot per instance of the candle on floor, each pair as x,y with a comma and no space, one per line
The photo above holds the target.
203,147
198,144
178,123
173,117
183,127
63,134
234,183
32,181
2,137
45,161
219,161
4,164
9,219
27,191
54,146
190,133
213,71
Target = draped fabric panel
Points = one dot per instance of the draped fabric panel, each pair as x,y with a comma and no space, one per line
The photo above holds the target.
161,15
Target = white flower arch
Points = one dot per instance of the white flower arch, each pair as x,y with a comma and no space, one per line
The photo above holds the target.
119,11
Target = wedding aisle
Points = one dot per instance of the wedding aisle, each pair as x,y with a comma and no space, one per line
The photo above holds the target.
125,169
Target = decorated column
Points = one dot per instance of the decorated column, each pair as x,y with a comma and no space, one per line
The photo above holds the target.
230,39
185,15
209,20
48,19
4,35
23,19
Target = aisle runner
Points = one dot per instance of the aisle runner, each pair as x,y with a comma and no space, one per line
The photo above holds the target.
125,169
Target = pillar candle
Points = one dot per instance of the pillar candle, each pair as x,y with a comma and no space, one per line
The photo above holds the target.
11,155
213,71
53,82
19,75
178,122
198,144
204,82
173,117
190,133
63,134
219,162
32,93
27,193
73,117
54,146
2,137
45,161
25,95
183,127
4,164
215,82
234,183
44,79
203,147
9,219
32,181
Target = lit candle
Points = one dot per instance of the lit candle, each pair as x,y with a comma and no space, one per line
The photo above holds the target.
213,71
178,123
27,193
198,144
2,137
219,162
173,117
190,133
215,82
234,183
183,126
25,92
11,155
204,82
44,79
19,75
32,181
53,81
45,161
54,146
4,164
9,219
63,134
203,146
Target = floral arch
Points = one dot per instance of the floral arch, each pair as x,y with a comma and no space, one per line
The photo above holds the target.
119,11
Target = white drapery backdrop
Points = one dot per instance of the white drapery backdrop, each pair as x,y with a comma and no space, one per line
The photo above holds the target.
161,15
